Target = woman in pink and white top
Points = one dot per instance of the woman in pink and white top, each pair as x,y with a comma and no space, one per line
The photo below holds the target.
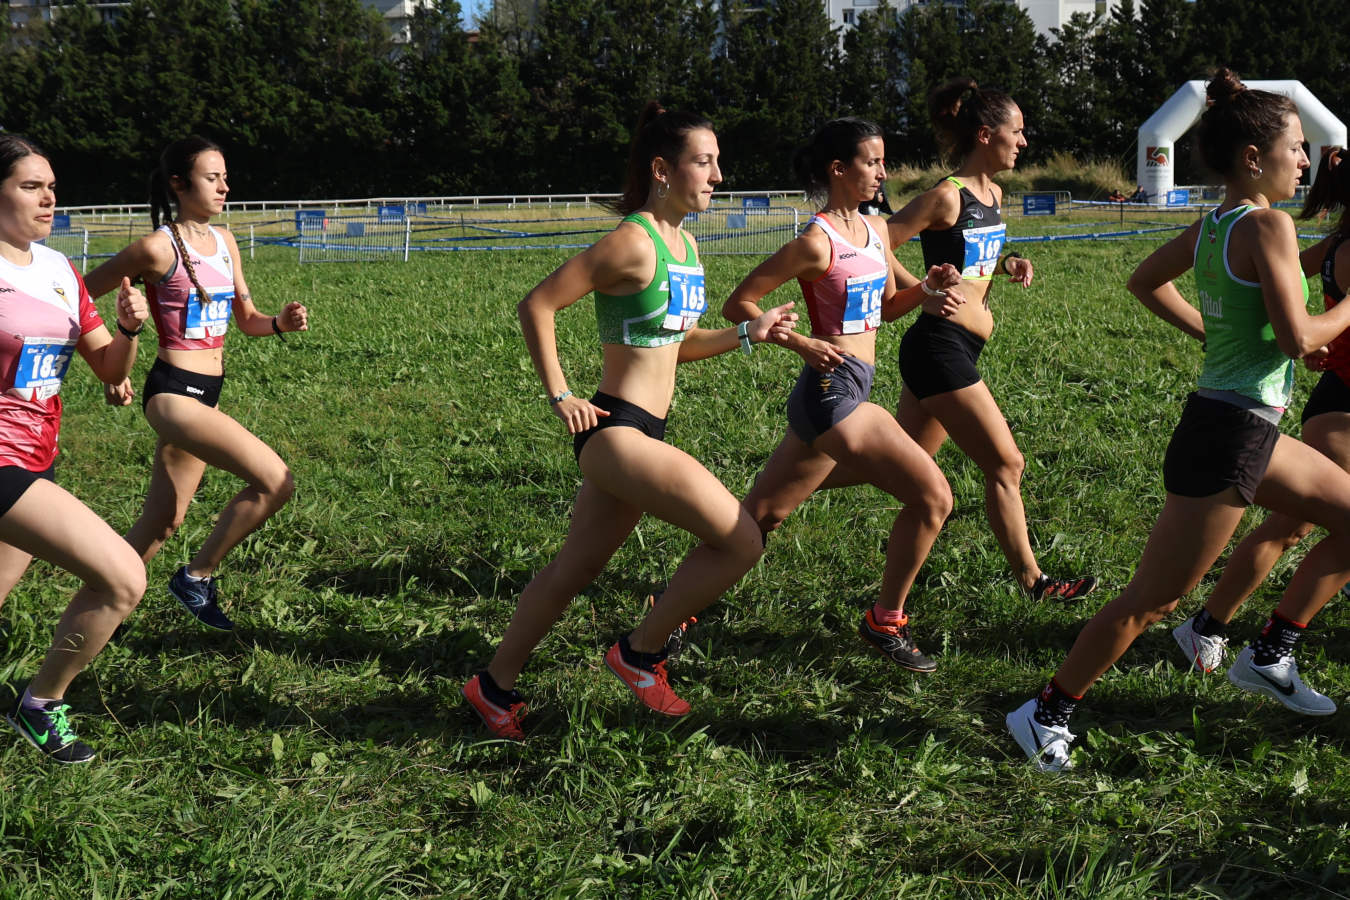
46,317
848,277
195,282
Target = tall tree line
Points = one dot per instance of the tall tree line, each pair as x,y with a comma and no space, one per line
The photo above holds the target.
311,99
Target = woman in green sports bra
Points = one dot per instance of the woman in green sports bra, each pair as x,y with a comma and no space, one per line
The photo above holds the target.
649,294
1227,451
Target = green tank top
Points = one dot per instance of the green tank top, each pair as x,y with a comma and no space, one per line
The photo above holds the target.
1241,354
664,311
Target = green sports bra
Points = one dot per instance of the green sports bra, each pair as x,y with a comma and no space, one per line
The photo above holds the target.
664,311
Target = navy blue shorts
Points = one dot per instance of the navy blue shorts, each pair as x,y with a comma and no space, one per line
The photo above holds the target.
822,400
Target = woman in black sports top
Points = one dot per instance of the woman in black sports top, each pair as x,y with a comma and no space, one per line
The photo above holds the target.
958,222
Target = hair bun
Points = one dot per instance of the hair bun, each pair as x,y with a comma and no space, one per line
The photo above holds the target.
1224,86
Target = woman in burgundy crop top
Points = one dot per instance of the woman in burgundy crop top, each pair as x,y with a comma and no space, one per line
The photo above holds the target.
196,285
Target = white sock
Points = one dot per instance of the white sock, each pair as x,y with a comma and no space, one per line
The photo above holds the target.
31,702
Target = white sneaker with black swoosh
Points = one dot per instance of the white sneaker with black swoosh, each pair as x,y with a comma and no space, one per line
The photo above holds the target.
1045,745
1279,681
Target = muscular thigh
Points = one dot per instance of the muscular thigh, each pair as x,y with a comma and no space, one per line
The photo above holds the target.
660,480
871,443
52,524
213,437
973,419
1304,484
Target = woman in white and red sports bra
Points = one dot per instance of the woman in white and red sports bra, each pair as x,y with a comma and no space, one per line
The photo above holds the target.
848,277
194,281
46,316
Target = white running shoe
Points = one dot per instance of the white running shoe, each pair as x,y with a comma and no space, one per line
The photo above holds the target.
1046,746
1281,682
1205,653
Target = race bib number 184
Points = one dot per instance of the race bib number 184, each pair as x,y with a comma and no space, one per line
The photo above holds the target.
862,303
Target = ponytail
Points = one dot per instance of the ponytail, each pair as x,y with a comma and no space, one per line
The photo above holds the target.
959,109
1330,190
659,132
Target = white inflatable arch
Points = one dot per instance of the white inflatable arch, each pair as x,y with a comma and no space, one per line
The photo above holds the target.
1157,137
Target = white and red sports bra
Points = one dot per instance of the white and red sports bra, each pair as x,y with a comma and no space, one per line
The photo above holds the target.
183,320
847,298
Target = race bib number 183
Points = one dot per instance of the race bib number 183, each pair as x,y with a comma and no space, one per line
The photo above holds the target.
42,366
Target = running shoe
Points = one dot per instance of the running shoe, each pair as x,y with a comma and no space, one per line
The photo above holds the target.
1281,682
649,682
895,643
199,599
675,643
501,718
1205,652
48,729
1045,745
1064,589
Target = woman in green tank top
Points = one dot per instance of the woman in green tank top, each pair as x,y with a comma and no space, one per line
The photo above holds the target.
649,294
1226,451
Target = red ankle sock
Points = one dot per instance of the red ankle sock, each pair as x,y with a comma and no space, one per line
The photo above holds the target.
883,616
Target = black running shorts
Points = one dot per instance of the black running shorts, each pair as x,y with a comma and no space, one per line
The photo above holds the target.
1217,445
938,356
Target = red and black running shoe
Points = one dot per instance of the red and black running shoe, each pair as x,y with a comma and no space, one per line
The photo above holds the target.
1063,589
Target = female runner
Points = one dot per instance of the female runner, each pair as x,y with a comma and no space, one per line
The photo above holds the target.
45,315
649,294
1226,451
1326,427
194,280
958,221
848,278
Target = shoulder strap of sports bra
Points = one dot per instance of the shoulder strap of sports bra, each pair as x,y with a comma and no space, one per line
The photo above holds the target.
954,180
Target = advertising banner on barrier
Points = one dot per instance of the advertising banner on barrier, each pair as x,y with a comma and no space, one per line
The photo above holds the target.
1038,204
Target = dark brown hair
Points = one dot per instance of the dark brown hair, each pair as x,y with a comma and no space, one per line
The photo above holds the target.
837,139
959,109
1330,190
1239,116
176,161
659,132
14,147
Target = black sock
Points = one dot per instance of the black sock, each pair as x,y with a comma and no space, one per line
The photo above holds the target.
1206,625
494,692
1277,640
636,658
1054,705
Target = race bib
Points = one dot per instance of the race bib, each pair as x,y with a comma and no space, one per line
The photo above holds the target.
209,319
862,303
688,297
42,366
983,246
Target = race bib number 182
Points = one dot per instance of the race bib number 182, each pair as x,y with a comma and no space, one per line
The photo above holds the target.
209,319
688,297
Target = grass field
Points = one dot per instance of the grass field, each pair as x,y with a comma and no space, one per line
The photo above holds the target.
323,749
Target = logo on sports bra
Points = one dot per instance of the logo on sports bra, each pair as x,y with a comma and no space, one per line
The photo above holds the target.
5,290
849,255
225,258
977,214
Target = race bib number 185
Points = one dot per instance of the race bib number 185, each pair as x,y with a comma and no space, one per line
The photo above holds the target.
688,297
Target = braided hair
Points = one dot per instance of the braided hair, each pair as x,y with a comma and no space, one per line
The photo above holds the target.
176,162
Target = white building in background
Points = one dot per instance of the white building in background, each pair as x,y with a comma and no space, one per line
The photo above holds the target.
1046,14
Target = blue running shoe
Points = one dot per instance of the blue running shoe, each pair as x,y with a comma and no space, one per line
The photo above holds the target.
48,729
199,599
